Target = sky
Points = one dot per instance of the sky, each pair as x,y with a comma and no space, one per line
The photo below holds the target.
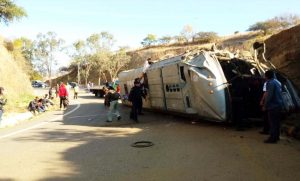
129,21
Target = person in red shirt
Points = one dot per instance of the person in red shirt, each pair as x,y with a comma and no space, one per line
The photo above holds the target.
63,95
118,89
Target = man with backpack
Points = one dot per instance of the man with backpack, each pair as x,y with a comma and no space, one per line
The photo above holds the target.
112,98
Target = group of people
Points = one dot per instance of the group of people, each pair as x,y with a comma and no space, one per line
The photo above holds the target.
135,97
39,105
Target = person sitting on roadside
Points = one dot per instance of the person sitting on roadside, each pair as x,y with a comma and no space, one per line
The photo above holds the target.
3,101
47,102
40,106
32,106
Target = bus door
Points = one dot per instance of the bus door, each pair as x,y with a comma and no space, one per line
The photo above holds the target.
173,88
156,89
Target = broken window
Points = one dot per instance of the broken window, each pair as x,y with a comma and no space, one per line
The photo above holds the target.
182,73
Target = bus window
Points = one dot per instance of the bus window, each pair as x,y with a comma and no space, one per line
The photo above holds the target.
182,73
188,101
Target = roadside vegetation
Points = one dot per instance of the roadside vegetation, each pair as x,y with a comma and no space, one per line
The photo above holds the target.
14,79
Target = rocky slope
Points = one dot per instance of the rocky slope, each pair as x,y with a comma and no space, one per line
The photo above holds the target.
283,49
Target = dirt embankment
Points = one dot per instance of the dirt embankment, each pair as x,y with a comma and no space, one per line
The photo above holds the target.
283,49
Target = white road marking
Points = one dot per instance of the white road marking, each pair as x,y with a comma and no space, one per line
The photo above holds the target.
86,116
39,124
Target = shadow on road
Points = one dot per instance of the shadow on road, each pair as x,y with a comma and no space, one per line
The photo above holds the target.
102,150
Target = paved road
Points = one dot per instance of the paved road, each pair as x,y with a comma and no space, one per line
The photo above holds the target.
79,145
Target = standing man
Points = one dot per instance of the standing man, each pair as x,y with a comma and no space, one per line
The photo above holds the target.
3,101
63,95
113,97
135,97
76,90
266,128
273,105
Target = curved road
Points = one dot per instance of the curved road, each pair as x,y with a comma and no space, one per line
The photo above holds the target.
78,144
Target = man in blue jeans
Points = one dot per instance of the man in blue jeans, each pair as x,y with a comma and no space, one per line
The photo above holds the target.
113,97
273,105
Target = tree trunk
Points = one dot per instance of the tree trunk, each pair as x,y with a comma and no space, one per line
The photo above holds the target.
99,79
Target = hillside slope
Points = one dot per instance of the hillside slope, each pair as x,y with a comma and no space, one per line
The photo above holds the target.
14,80
283,49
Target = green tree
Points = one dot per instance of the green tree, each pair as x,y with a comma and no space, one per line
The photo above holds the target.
25,47
44,48
276,23
78,55
206,37
149,40
179,39
9,11
165,40
99,46
117,61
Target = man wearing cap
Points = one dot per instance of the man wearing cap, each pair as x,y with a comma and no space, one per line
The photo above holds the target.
113,97
135,97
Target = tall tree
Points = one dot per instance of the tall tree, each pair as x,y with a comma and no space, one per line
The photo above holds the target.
100,48
9,11
187,32
78,55
117,61
44,48
25,47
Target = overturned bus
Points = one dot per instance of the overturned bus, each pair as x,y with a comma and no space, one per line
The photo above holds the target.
208,83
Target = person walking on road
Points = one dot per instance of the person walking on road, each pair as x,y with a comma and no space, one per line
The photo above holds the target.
76,90
273,105
135,97
3,101
63,95
113,97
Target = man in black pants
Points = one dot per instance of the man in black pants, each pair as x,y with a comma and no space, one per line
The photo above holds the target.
135,96
273,105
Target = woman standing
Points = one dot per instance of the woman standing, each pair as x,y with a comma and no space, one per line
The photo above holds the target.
3,101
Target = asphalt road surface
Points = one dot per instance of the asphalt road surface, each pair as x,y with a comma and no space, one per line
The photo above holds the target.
77,144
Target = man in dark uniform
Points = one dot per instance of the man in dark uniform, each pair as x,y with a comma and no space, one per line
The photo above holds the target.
135,97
